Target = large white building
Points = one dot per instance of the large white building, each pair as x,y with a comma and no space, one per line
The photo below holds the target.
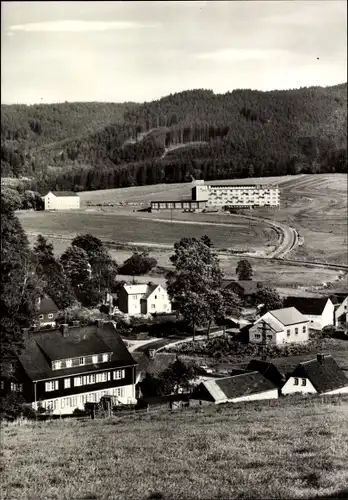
253,195
144,299
61,200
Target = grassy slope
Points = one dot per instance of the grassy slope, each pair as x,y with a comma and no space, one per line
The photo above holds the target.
281,449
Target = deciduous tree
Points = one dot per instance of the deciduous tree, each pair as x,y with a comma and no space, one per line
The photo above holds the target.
244,270
268,297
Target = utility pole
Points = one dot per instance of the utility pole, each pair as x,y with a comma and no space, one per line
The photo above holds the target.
264,342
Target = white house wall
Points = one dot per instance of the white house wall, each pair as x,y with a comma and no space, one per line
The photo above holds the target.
53,202
63,406
318,322
342,310
159,302
219,196
291,388
272,394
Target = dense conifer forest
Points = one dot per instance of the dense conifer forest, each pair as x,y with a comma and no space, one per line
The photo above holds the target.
244,133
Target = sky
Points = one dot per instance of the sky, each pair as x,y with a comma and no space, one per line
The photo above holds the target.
139,51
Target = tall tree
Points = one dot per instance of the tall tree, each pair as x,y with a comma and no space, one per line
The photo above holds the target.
244,270
138,264
20,289
196,276
50,270
77,268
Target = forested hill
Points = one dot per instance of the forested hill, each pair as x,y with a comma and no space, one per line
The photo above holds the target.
213,136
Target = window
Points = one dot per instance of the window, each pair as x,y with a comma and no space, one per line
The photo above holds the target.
303,329
304,381
67,383
94,359
51,386
50,316
56,365
153,306
118,374
295,381
91,379
257,335
155,297
69,363
288,333
296,331
41,316
77,381
105,358
82,361
16,387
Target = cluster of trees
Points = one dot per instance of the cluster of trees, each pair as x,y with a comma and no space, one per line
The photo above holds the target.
241,133
25,199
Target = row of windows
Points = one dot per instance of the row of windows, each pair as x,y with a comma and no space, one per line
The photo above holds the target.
94,378
288,332
73,401
303,381
81,361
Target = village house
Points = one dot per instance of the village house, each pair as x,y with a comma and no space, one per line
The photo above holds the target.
319,311
62,369
321,375
47,313
246,289
143,299
61,200
249,386
341,312
280,326
267,370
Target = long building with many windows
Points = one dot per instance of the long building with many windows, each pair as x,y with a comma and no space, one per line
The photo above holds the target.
62,369
209,196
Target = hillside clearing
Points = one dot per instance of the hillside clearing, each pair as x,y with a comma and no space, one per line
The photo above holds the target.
287,448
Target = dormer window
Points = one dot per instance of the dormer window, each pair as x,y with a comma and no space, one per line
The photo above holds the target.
56,365
81,361
105,358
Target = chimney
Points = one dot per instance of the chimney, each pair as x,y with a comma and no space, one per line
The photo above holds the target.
64,328
152,353
321,358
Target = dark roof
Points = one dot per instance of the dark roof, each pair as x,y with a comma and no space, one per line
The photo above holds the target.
307,305
338,298
247,287
268,370
229,388
325,377
43,347
61,194
150,289
47,306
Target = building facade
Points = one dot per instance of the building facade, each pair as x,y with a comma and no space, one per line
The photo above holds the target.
243,196
62,369
341,313
48,312
144,299
281,326
61,200
319,311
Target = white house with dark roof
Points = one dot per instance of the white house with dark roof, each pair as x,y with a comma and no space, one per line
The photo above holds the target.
144,299
341,312
321,375
319,311
61,200
248,386
280,326
47,312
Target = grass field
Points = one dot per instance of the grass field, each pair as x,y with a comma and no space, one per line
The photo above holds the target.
294,448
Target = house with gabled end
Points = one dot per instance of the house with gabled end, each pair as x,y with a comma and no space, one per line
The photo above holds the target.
280,326
319,311
341,311
47,312
143,299
61,200
62,369
321,375
249,386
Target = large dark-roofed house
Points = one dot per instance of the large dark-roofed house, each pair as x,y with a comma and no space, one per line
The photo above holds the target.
321,375
244,387
319,311
67,367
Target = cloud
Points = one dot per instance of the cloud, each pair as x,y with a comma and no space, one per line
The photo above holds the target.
79,26
241,54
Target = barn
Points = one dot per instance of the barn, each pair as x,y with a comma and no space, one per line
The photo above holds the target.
61,200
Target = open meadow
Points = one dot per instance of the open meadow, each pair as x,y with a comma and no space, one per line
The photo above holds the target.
293,448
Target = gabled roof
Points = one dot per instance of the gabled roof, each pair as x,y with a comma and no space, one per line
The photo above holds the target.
307,305
136,289
43,347
288,316
270,321
268,370
228,388
325,376
47,306
150,290
247,287
63,194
